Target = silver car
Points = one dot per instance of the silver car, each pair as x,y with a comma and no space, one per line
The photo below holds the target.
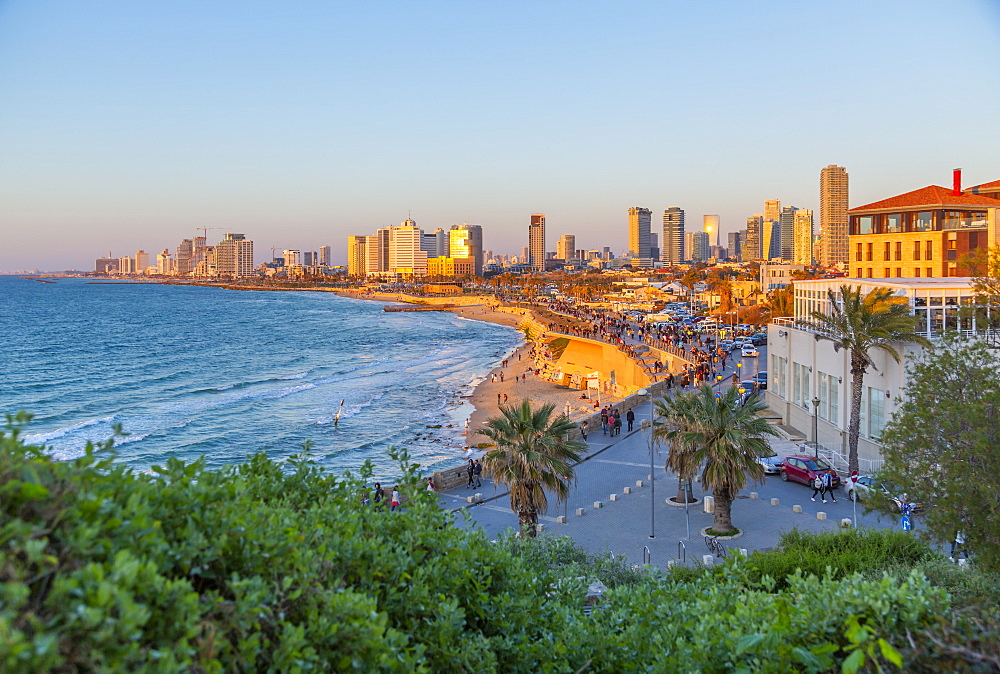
771,463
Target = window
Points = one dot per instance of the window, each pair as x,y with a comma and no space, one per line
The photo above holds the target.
916,272
899,251
930,272
865,224
869,272
929,251
886,273
923,221
899,272
858,254
875,417
869,251
885,253
893,223
777,376
916,250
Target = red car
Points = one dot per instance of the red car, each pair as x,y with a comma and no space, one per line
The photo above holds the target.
804,469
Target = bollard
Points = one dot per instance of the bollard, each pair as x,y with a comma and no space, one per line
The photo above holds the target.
796,508
753,495
470,499
627,490
708,560
598,504
744,552
639,483
613,497
539,528
579,512
479,498
846,523
561,519
775,502
709,504
821,515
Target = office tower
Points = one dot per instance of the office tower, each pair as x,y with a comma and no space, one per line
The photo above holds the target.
803,239
736,240
234,256
566,247
106,265
197,255
310,258
165,263
710,225
182,262
772,210
141,261
536,242
638,231
833,215
292,257
525,255
672,250
751,247
357,254
405,254
434,242
770,240
787,233
697,246
126,265
324,256
654,247
465,242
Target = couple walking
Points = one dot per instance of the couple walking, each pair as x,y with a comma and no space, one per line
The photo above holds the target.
822,484
475,471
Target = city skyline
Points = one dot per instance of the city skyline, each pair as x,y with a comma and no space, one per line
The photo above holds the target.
130,128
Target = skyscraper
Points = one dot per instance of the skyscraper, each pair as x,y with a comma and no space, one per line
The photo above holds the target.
183,259
465,242
357,254
803,245
787,242
406,257
711,227
638,231
751,247
291,257
234,256
833,215
736,240
772,210
141,261
566,247
698,246
324,257
672,249
536,242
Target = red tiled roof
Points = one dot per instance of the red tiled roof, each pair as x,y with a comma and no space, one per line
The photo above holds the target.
932,195
992,187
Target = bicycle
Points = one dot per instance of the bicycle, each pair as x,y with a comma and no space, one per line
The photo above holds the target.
715,547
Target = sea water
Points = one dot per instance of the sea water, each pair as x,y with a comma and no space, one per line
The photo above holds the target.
193,371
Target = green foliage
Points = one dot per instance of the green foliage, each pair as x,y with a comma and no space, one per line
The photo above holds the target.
941,446
278,567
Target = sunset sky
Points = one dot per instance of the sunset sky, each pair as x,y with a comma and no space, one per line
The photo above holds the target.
126,125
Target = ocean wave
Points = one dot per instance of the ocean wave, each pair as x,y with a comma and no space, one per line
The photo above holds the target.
41,438
300,375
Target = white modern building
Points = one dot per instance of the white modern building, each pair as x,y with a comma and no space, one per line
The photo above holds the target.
809,381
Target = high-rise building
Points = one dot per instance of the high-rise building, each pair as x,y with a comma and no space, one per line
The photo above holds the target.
710,224
566,247
465,242
536,242
292,257
736,240
357,254
672,250
770,240
803,239
405,254
833,216
697,246
234,256
752,245
787,235
638,231
654,247
141,261
182,262
772,210
126,265
324,256
310,258
165,263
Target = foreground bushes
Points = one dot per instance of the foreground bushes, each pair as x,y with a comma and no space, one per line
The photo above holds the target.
267,567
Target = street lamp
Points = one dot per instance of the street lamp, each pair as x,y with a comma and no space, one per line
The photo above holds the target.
652,473
815,402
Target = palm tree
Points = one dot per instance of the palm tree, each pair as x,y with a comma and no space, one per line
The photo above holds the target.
719,435
532,455
861,324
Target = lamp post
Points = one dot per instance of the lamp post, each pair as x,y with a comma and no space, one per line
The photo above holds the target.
815,402
652,473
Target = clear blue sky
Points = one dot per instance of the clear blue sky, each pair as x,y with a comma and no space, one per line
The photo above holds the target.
125,125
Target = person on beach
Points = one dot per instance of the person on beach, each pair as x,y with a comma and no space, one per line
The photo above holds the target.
378,495
504,398
630,418
501,376
394,502
478,472
470,470
498,398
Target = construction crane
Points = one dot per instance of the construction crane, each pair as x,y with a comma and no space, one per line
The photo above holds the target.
204,231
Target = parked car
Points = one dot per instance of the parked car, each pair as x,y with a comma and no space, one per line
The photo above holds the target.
770,462
867,484
804,469
726,345
750,352
759,339
761,380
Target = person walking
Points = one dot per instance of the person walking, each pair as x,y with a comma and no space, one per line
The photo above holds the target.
470,470
817,484
430,484
828,487
378,496
394,499
618,425
604,420
477,471
630,418
583,430
959,545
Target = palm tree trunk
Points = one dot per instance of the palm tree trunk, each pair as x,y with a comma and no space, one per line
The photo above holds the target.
858,368
684,492
722,517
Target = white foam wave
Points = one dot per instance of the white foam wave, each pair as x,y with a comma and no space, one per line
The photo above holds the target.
41,438
300,375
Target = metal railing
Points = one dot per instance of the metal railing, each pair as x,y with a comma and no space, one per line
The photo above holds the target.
647,556
682,552
839,461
